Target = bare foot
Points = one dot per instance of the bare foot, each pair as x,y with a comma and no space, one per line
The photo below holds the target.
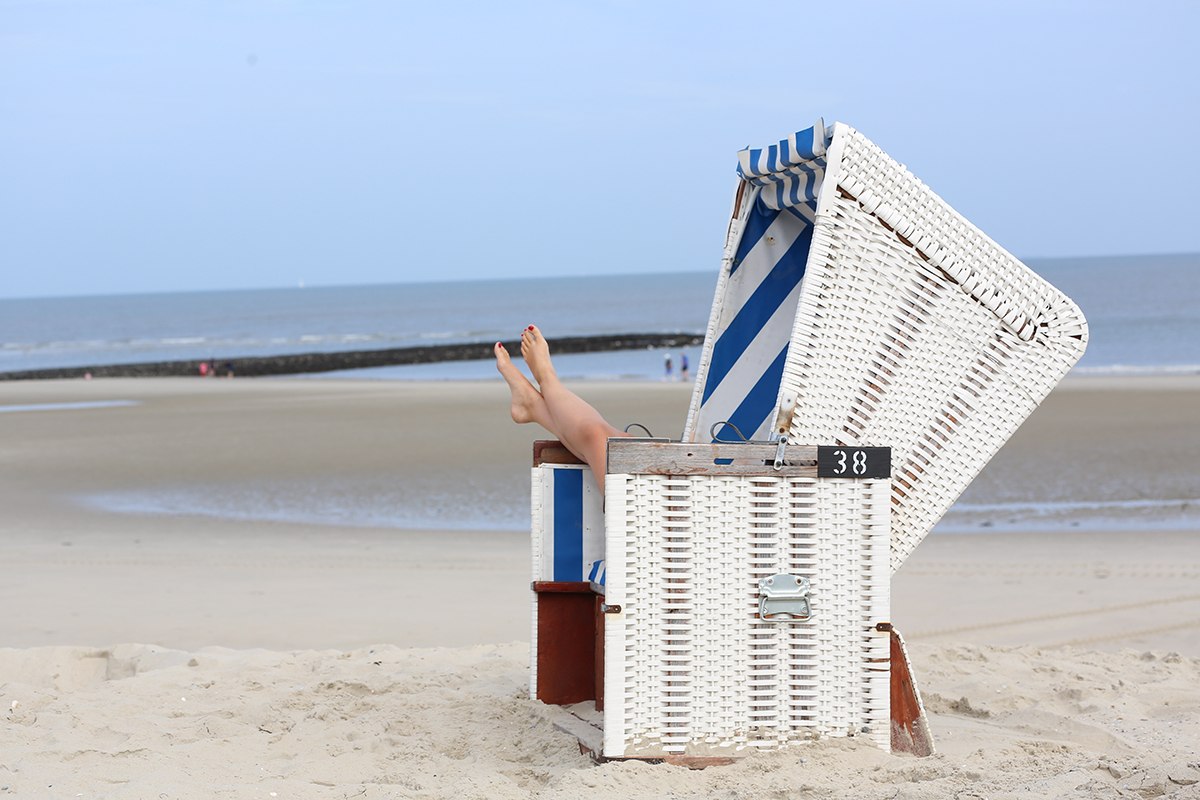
536,352
525,398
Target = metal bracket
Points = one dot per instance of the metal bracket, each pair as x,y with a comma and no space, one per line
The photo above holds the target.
779,454
784,598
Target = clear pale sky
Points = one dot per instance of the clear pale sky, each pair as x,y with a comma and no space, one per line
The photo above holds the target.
149,145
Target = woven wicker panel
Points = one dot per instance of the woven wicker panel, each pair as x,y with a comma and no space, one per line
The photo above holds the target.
917,332
689,666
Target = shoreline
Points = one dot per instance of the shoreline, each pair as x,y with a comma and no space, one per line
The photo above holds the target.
1120,516
1103,453
318,362
437,450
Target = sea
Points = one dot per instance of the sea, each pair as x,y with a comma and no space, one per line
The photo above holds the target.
1143,314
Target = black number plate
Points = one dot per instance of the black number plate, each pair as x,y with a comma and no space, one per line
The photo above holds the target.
854,462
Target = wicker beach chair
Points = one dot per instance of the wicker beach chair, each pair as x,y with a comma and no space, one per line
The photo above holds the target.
875,350
854,306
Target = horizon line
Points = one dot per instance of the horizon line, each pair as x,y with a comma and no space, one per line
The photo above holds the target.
303,285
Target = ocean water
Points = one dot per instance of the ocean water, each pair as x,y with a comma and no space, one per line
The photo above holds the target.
81,331
1143,313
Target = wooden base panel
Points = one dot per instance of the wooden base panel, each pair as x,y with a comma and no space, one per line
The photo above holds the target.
581,723
566,656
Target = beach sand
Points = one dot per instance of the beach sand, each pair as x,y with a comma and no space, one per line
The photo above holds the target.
191,655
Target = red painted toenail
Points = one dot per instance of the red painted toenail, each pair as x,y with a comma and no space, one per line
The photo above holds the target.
530,327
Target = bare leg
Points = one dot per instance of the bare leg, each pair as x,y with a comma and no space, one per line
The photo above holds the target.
580,427
527,402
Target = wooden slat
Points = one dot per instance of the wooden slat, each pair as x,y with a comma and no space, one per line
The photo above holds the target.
591,738
563,587
552,451
582,722
910,727
643,457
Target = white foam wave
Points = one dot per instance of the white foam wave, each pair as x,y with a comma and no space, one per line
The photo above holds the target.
1158,514
1139,369
1061,507
13,409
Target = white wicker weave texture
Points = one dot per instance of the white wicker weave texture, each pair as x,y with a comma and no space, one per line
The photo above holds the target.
689,666
917,332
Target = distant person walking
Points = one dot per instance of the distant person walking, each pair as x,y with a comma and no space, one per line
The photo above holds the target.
683,366
667,366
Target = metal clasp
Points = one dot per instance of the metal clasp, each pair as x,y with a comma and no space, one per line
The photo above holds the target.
784,598
779,454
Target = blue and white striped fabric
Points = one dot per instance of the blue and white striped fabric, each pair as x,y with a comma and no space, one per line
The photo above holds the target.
756,311
789,173
572,525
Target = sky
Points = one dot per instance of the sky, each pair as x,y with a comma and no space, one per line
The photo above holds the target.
156,145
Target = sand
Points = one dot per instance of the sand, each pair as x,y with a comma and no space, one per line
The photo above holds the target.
188,655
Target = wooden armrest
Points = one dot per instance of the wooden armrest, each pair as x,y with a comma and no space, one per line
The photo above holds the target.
552,451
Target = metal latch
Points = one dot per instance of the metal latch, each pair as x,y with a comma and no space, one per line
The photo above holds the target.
779,453
784,598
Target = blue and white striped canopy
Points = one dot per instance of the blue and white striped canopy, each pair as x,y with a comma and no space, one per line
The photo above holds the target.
788,173
757,308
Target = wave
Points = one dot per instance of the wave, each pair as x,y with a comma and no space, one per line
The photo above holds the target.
168,342
1060,506
1139,369
82,405
1157,513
